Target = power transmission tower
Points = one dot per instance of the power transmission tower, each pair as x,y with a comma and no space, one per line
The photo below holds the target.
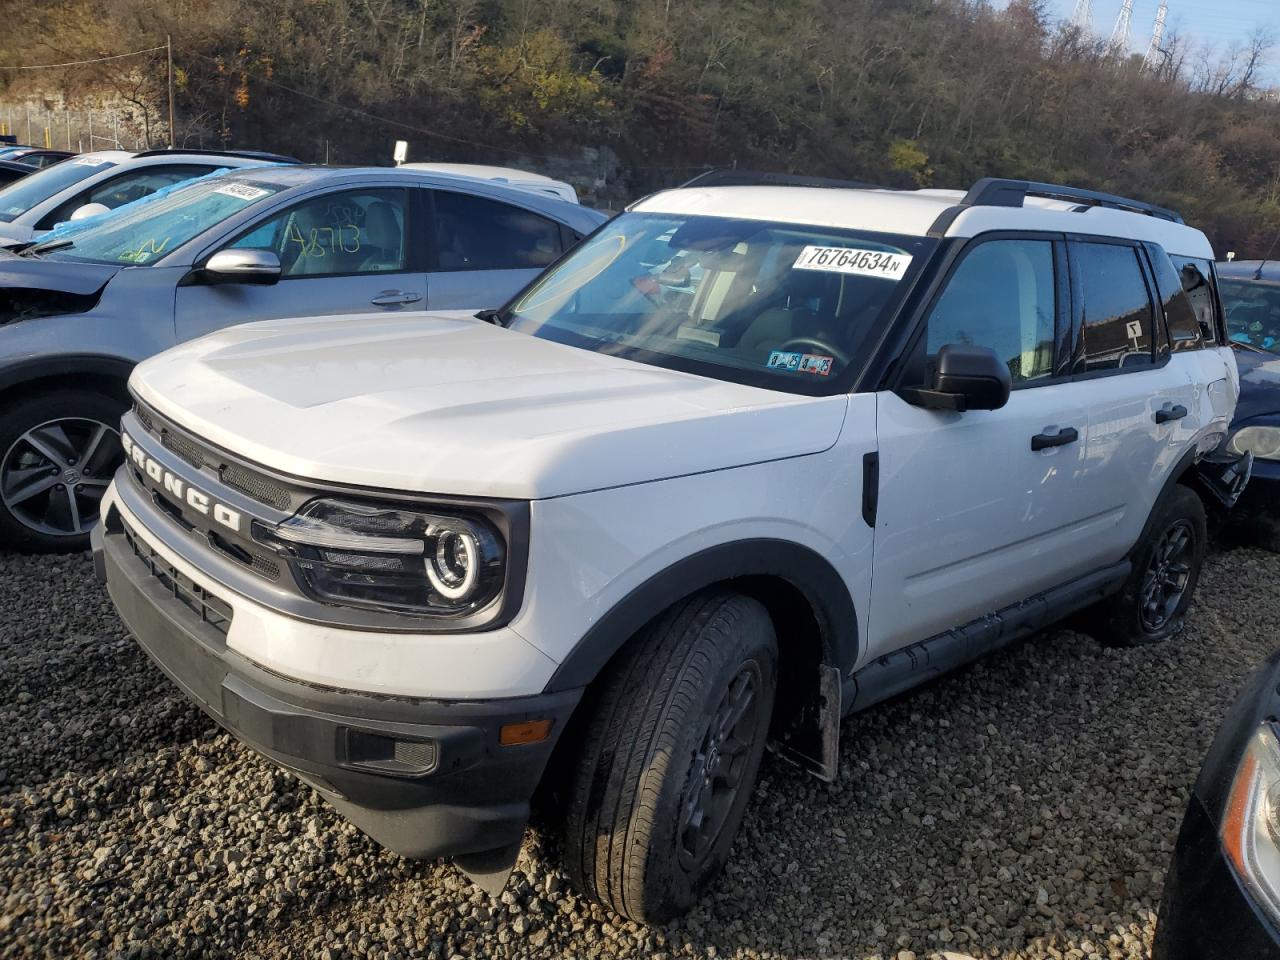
1082,19
1120,33
1154,53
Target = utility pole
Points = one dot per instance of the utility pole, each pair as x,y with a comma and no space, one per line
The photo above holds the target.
1120,34
1153,58
1082,18
168,43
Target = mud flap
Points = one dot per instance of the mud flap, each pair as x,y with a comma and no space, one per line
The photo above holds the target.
1225,476
490,869
812,740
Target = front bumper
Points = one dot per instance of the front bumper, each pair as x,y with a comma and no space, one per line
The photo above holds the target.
1261,498
425,778
1206,912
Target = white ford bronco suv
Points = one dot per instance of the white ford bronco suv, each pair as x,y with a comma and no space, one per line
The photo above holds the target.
752,456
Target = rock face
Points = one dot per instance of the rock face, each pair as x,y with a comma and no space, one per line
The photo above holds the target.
1025,806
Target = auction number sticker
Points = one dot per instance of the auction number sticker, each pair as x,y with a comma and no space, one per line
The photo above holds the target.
861,263
241,191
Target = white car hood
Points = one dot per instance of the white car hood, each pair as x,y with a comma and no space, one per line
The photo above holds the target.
434,404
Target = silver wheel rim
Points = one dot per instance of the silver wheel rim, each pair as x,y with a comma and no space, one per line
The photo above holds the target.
52,478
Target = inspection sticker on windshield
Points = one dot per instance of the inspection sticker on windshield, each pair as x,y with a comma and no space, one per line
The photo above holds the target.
242,191
817,363
862,263
91,161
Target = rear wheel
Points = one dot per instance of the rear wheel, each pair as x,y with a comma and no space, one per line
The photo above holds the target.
58,452
670,757
1166,567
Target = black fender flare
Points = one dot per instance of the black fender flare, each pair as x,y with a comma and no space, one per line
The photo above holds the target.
71,364
802,567
1186,463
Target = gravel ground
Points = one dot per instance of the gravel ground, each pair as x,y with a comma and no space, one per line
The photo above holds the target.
1023,807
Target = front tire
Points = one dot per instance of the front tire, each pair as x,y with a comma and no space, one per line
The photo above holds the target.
670,757
58,452
1153,603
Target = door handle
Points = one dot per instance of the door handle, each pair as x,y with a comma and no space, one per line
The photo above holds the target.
1060,439
391,298
1170,412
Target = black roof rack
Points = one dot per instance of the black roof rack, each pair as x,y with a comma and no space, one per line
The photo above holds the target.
998,192
726,177
243,154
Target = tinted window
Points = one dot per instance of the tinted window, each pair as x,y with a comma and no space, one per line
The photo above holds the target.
126,188
1197,281
1179,315
1117,307
473,233
1001,296
1253,312
347,233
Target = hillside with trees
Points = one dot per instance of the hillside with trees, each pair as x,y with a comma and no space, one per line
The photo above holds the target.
901,92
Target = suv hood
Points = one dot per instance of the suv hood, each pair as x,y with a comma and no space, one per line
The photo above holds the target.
431,404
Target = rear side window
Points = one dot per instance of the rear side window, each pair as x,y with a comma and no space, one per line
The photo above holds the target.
1117,329
1002,296
1179,315
473,233
1197,281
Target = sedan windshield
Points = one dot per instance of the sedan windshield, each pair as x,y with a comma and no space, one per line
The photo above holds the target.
778,305
1253,312
157,225
17,198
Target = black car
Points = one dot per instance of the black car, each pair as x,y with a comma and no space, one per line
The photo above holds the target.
11,170
35,157
1250,292
1222,896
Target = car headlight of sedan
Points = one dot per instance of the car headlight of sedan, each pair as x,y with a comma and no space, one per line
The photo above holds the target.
391,557
1251,825
1262,441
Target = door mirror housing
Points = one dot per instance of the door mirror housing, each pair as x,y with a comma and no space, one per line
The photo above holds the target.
89,210
966,378
242,266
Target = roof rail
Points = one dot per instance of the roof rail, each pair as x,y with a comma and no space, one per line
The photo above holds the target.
999,192
243,154
726,177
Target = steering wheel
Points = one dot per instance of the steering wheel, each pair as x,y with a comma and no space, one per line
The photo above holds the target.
814,345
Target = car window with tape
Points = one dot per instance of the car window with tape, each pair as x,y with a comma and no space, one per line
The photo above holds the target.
782,305
142,232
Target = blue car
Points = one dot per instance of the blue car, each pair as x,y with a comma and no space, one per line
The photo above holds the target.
1250,292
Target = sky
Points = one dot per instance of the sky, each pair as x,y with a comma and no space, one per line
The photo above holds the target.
1219,22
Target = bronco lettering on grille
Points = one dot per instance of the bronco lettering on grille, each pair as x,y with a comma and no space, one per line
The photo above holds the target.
178,488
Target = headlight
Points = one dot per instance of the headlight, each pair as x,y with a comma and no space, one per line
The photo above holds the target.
1262,442
1251,826
391,557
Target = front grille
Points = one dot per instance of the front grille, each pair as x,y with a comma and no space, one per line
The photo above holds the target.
199,455
183,447
209,608
255,485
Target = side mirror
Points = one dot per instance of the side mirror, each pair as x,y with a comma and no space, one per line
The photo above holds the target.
89,210
967,378
242,266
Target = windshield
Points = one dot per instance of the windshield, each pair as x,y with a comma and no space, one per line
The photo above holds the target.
151,229
1253,312
19,197
778,305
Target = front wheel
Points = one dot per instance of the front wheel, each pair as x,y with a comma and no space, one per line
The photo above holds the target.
58,452
1166,568
670,757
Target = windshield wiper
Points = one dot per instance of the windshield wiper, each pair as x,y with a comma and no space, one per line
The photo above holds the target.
50,245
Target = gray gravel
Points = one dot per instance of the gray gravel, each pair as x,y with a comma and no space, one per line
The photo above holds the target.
1024,807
